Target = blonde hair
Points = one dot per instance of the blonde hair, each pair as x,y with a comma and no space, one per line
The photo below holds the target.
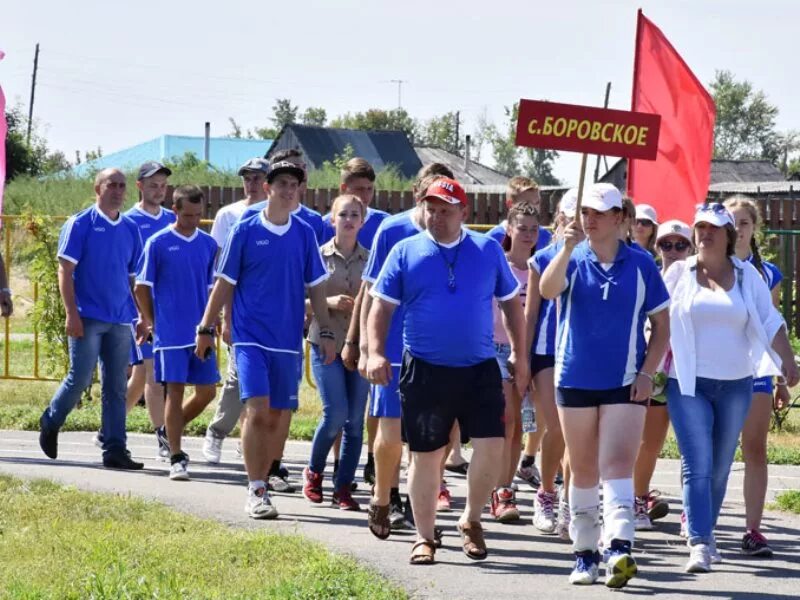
357,167
344,199
427,175
517,185
738,201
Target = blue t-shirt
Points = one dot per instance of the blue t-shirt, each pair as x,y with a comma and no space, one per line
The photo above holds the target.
772,275
544,338
390,231
310,217
498,232
106,254
600,343
179,271
367,232
148,224
270,265
444,325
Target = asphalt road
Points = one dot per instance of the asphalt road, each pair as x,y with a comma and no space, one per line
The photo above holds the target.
522,562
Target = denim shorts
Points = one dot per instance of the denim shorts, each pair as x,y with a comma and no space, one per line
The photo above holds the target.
503,351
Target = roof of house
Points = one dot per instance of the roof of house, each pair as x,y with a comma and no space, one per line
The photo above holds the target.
476,173
755,187
379,148
225,154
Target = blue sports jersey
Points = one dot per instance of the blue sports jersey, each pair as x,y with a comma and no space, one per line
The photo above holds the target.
771,274
444,325
544,338
310,217
179,271
600,341
148,224
270,265
498,232
390,231
105,254
367,232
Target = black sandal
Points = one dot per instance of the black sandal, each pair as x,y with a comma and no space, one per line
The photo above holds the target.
462,468
378,521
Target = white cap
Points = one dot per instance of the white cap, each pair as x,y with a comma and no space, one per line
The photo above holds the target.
646,212
674,227
602,197
715,214
568,203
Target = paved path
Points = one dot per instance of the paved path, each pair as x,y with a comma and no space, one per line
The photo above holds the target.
522,564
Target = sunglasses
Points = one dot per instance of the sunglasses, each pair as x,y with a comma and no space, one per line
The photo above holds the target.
644,222
679,246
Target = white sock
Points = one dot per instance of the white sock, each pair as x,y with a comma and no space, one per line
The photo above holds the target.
618,514
584,526
255,485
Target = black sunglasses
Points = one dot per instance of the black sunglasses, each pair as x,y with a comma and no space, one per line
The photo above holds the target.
679,246
645,222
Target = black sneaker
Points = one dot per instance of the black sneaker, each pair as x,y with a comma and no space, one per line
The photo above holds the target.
397,517
48,439
282,472
408,514
369,471
164,452
755,544
121,460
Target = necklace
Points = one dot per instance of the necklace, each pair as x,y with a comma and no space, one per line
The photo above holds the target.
451,266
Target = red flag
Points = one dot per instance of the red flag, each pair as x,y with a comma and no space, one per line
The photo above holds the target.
3,132
663,84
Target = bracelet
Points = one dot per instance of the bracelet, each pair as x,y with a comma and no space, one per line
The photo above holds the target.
205,330
646,374
780,381
327,335
5,291
350,343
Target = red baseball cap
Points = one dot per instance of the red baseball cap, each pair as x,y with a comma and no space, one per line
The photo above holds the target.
448,190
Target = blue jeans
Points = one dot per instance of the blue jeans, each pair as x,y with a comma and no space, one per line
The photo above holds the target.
707,427
111,343
344,399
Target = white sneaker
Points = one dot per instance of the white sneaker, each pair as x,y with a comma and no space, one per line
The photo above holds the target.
259,505
586,570
179,471
699,559
641,520
713,553
544,516
212,448
562,525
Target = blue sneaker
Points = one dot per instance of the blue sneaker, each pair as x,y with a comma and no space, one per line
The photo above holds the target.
587,568
620,565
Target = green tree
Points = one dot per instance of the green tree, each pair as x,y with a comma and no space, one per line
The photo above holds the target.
538,166
378,119
314,115
505,152
236,129
745,123
29,159
441,132
284,113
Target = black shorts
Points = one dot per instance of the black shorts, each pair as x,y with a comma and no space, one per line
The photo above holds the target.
540,362
433,397
576,398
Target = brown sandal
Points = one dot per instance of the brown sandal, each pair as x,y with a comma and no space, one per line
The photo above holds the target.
423,553
472,538
378,521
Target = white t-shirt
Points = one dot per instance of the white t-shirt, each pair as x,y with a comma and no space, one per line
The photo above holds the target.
719,319
225,219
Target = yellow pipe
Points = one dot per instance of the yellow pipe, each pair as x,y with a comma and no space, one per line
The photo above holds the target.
6,325
35,333
309,379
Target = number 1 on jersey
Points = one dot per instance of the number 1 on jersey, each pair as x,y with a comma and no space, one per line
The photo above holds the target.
605,287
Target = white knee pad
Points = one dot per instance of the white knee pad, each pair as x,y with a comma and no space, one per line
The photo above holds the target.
584,526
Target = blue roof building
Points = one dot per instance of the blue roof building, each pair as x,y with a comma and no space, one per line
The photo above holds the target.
225,154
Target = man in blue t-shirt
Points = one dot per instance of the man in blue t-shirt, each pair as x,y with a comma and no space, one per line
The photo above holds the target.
521,190
446,280
172,285
151,217
98,251
269,262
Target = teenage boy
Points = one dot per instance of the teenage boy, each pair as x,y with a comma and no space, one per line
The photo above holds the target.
269,262
521,190
151,217
172,287
443,278
98,251
358,179
229,409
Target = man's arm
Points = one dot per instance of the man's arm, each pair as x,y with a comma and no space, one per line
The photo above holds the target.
319,305
220,295
363,344
379,370
144,301
66,287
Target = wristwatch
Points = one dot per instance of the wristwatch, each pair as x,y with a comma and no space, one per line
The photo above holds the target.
350,343
205,330
6,291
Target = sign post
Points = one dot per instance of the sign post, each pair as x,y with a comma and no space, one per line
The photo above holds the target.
588,130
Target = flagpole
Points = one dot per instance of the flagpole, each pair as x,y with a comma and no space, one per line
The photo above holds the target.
635,86
580,187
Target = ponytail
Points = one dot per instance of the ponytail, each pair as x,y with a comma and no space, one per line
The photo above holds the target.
757,262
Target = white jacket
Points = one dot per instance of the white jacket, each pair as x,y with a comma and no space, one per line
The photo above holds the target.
763,320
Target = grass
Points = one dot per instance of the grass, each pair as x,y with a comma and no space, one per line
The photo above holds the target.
788,501
106,546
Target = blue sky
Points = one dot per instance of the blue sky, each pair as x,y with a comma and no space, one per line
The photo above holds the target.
116,73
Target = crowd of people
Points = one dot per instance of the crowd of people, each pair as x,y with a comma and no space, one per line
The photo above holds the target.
579,346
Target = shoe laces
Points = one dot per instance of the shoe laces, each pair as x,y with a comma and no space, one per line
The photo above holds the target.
546,500
756,536
585,560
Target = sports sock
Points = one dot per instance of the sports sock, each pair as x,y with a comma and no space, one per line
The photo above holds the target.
618,515
584,526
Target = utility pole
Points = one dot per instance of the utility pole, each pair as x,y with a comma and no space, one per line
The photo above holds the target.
33,92
597,164
399,83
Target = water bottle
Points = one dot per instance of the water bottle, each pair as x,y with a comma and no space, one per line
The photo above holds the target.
528,415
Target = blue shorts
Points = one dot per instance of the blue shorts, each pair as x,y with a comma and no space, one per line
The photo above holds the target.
386,398
763,385
139,353
503,351
180,365
268,373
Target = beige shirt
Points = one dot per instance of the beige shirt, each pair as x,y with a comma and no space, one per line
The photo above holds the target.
345,278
